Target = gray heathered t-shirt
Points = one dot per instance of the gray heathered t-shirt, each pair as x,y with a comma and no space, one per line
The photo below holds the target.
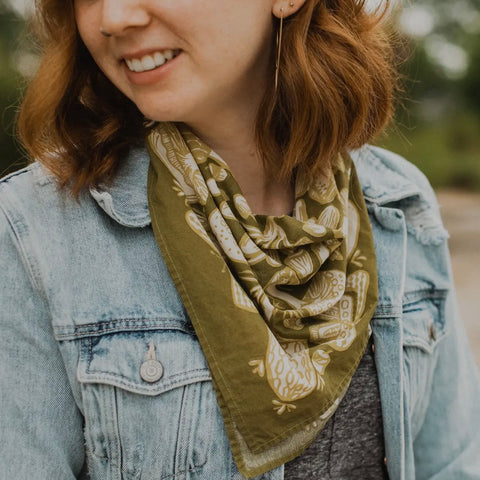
351,446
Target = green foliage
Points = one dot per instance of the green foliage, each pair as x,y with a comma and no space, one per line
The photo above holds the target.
10,89
446,150
438,125
470,84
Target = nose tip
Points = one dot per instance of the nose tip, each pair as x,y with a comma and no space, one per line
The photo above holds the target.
105,33
120,15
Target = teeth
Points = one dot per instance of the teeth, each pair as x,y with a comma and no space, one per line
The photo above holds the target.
150,62
159,59
137,65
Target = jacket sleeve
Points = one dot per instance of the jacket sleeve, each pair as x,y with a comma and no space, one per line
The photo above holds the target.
41,433
448,444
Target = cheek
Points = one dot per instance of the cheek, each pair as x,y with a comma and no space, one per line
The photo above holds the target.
86,21
96,46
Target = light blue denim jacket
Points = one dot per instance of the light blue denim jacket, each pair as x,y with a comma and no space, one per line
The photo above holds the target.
84,291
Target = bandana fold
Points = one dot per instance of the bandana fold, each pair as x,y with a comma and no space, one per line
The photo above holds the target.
281,305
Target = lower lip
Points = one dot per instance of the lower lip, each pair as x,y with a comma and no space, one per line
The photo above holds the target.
151,77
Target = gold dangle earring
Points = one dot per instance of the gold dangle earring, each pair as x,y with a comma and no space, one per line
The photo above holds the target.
279,45
279,48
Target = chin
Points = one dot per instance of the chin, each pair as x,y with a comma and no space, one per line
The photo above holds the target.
160,114
162,106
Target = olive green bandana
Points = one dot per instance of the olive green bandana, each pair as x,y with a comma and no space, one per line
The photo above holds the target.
281,305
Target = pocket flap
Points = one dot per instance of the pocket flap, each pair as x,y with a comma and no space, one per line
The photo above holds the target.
117,359
423,320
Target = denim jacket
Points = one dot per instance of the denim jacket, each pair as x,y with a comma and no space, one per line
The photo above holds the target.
84,291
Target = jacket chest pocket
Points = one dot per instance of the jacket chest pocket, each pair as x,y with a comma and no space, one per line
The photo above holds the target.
148,402
423,324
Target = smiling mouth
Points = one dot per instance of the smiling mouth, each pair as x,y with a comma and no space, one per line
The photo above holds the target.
152,61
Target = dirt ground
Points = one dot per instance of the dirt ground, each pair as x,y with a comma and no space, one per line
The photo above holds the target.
461,216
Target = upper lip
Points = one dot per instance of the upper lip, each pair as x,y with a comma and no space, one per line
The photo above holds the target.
147,51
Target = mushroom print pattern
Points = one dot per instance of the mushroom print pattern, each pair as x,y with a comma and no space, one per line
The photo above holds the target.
292,295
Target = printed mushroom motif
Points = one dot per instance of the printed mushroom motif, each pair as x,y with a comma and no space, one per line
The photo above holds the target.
291,372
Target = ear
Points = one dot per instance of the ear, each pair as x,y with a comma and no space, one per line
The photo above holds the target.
286,7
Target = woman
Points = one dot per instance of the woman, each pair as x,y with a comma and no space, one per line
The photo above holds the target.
195,265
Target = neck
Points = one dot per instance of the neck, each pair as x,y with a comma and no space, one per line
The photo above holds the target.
264,194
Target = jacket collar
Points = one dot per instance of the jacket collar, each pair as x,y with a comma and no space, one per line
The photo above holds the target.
384,176
125,199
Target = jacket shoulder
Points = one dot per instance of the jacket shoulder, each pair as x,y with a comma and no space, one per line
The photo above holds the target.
34,193
386,176
389,180
18,200
29,188
34,211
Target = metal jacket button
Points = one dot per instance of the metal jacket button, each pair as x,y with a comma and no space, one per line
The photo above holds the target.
151,370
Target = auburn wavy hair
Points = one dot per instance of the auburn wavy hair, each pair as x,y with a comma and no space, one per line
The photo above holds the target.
335,92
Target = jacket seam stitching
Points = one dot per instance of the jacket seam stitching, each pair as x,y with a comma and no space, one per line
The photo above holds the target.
120,320
174,325
179,379
22,171
23,250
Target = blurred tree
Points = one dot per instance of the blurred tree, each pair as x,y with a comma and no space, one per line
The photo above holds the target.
439,122
470,84
445,51
11,25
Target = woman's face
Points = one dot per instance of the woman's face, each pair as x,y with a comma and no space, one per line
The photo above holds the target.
221,53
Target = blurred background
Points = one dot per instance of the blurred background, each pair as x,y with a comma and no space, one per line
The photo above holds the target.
437,124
